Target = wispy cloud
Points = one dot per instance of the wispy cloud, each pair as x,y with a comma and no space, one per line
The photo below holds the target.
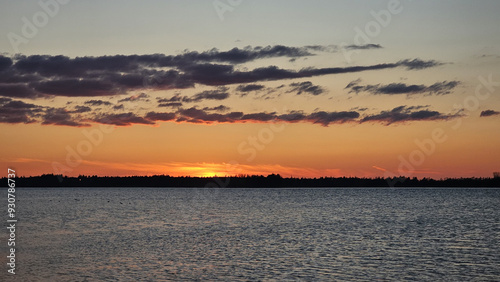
81,109
404,114
250,87
306,87
363,47
125,119
489,113
438,88
218,94
135,98
221,93
59,116
98,103
170,105
220,108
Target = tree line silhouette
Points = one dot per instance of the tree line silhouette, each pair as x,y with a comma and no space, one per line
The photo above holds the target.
245,181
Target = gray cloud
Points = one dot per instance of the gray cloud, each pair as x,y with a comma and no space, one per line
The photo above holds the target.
119,107
221,93
250,87
489,113
326,118
438,88
134,98
59,116
17,90
194,115
154,116
220,108
335,48
125,119
5,63
81,109
76,87
218,94
306,87
418,64
170,104
363,47
404,114
13,111
98,103
176,98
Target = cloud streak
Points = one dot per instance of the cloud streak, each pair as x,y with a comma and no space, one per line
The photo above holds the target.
403,114
125,119
489,113
218,94
306,87
135,98
438,88
250,87
221,93
98,103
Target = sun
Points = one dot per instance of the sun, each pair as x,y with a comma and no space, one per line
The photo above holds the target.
208,174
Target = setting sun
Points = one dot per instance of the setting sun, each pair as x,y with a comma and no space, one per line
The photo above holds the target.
209,174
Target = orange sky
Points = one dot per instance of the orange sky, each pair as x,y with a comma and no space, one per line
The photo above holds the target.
299,150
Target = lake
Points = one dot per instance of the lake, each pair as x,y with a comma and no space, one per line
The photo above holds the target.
188,234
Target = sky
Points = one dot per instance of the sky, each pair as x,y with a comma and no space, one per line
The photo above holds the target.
232,87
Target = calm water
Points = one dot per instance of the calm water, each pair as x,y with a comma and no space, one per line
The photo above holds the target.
136,234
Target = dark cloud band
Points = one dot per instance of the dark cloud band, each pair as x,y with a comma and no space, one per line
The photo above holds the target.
14,111
43,75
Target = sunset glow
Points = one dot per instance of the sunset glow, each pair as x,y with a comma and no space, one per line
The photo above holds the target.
387,91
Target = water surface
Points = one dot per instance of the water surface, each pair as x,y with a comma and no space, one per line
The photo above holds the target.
354,234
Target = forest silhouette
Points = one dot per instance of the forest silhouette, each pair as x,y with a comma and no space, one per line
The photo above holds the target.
246,181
